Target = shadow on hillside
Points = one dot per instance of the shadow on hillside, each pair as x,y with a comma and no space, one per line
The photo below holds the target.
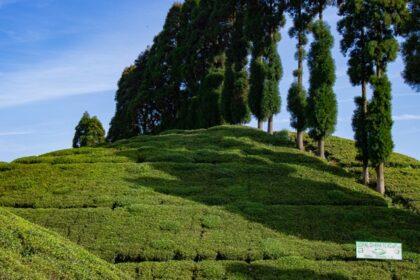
258,271
269,187
201,148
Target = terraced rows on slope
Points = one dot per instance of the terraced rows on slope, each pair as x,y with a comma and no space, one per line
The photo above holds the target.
28,251
218,204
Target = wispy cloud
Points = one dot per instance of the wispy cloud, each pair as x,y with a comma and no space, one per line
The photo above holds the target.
92,68
406,117
6,2
15,133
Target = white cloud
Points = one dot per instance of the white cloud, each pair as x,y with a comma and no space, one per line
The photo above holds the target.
7,2
406,117
15,133
93,68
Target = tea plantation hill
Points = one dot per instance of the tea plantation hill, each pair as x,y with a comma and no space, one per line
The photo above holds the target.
224,203
28,251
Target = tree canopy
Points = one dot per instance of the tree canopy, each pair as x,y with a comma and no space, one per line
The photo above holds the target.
89,132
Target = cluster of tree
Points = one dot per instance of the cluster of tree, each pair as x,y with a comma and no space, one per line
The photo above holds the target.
369,30
89,132
217,61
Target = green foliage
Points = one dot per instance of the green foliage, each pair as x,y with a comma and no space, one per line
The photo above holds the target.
185,204
380,122
266,72
234,104
403,173
271,98
123,124
359,124
296,105
257,79
227,93
411,46
208,113
282,137
263,22
89,132
322,103
287,268
119,120
162,79
28,251
302,16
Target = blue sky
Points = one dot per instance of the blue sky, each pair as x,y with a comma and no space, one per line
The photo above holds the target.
60,58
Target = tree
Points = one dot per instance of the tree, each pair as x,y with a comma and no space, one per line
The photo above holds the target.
209,99
89,132
234,102
124,124
301,12
353,27
162,80
263,22
205,45
322,103
274,71
384,21
411,46
379,127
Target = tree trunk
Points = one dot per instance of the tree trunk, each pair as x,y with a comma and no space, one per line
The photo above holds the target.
260,124
299,141
380,178
321,148
270,125
365,175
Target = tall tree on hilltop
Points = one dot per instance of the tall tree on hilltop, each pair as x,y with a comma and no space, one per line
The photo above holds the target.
353,28
411,46
144,106
234,103
124,123
385,19
209,99
183,70
205,57
271,102
89,132
163,85
263,21
322,103
301,12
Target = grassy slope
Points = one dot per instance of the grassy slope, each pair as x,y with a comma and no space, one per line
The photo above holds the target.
402,172
225,202
28,251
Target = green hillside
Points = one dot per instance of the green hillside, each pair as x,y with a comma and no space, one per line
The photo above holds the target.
223,203
28,251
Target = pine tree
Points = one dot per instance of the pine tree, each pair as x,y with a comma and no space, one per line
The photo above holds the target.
379,127
124,125
301,12
209,99
359,123
205,46
263,22
234,103
411,46
353,27
322,103
89,132
271,102
257,78
385,19
163,81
